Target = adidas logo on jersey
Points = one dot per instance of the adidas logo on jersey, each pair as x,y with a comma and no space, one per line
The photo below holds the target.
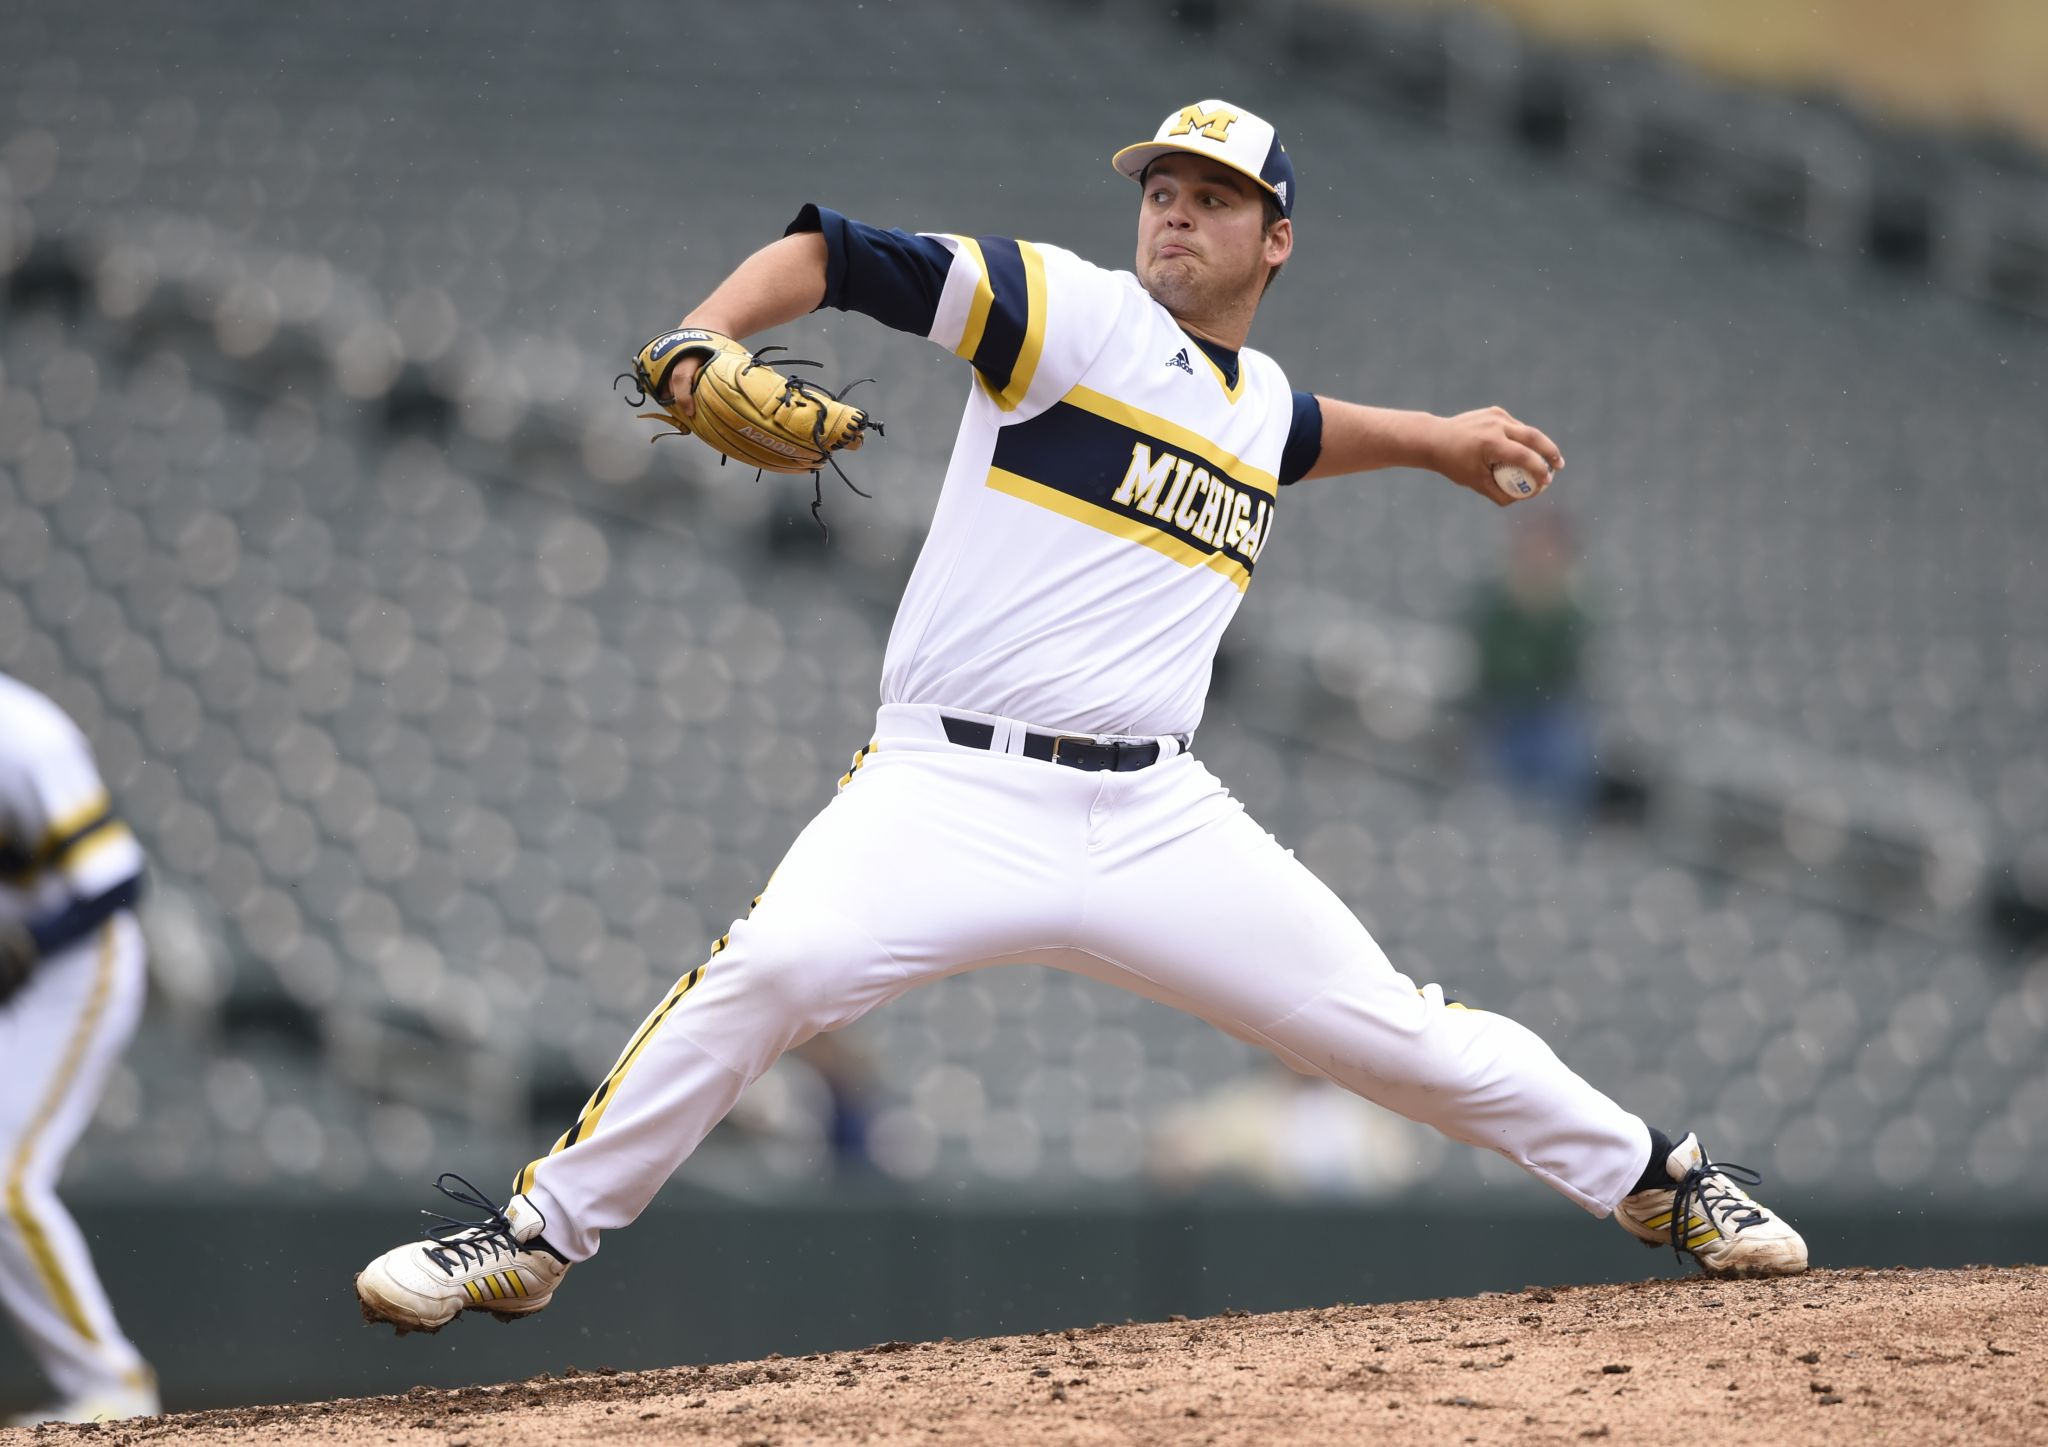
1180,359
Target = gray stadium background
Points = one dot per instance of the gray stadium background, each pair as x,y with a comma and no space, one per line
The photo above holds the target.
457,720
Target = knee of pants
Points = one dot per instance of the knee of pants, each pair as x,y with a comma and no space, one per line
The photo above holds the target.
809,969
29,1199
1457,1055
1472,1052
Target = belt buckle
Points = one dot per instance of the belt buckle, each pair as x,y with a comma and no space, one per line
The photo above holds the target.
1058,739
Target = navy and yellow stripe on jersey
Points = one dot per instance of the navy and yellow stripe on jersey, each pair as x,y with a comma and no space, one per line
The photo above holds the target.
1139,477
899,279
1004,332
72,848
88,825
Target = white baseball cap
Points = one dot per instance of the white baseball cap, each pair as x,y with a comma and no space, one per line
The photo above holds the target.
1222,132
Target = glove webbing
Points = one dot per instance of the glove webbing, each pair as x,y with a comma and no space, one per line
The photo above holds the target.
793,388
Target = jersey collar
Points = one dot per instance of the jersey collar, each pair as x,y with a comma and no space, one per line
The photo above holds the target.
1225,363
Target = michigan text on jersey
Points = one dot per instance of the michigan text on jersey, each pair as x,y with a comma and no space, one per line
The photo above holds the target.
1139,478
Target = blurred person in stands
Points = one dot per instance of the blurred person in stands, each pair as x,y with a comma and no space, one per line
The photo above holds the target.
809,1115
1530,637
72,979
1291,1135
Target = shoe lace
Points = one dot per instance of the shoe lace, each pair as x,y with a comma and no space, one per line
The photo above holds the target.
1711,1184
467,1243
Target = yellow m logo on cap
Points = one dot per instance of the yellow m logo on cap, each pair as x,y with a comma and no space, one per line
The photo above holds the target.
1214,124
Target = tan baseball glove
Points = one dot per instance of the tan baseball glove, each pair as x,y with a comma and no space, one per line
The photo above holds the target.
748,410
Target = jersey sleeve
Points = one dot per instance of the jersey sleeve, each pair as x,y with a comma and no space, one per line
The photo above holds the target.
1304,439
892,276
60,820
1028,317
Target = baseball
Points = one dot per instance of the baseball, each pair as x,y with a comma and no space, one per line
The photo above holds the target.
1514,481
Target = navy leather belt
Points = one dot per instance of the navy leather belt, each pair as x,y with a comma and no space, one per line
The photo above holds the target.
1076,751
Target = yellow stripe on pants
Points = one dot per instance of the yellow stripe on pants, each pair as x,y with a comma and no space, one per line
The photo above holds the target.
33,1238
594,1109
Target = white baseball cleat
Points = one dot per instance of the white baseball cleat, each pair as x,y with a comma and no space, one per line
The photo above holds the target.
1727,1231
500,1265
117,1403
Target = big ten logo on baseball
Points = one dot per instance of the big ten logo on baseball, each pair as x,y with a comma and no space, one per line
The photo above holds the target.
1514,481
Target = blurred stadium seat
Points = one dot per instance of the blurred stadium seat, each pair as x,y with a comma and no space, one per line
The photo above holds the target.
457,720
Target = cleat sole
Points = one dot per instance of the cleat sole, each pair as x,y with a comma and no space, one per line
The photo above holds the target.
1759,1270
377,1312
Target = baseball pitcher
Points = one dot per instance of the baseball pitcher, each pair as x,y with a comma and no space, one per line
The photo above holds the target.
1032,794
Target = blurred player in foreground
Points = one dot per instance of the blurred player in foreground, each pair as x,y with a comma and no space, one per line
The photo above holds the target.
1030,796
72,980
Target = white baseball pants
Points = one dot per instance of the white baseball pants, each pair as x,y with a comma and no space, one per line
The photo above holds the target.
937,858
58,1039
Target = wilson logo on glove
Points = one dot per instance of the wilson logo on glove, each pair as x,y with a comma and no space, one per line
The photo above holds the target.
747,410
662,346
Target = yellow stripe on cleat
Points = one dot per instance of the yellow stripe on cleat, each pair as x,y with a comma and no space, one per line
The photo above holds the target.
474,1295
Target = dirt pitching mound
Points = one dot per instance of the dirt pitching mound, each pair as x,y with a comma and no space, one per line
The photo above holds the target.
1837,1356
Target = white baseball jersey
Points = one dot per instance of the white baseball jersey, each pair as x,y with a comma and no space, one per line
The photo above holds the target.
1104,508
69,871
1110,492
